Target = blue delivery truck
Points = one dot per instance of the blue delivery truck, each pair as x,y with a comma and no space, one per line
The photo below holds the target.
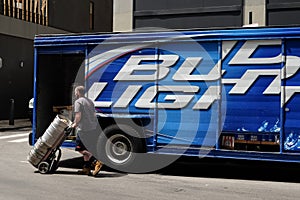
232,93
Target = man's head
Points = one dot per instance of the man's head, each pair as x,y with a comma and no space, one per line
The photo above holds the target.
79,91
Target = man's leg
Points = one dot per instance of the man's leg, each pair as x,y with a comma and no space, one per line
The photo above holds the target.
86,170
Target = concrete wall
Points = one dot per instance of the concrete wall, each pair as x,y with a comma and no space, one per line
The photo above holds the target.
283,13
19,28
204,13
64,15
16,72
187,14
104,15
73,15
255,12
122,15
16,75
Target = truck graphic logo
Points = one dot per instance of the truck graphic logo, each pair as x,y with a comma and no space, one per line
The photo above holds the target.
135,71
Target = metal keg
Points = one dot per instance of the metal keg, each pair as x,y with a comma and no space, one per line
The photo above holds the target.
51,137
54,132
34,157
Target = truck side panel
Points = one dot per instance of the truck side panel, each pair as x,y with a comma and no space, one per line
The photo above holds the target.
197,75
250,78
291,96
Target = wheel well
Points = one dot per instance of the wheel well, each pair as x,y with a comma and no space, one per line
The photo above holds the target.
138,124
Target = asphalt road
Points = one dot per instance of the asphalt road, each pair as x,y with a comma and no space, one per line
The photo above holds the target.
185,179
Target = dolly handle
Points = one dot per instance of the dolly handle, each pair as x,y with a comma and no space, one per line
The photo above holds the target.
68,130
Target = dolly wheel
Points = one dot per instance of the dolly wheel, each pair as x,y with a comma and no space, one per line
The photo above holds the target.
43,167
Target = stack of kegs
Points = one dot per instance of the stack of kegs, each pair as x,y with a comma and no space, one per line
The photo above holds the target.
52,137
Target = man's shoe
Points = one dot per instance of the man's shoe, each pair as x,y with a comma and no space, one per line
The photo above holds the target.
98,166
84,171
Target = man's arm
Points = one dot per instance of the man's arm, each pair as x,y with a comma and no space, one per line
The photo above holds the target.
77,119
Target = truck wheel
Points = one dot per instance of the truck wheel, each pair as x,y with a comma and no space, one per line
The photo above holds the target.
118,147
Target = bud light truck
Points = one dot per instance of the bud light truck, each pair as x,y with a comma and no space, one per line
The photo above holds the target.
232,93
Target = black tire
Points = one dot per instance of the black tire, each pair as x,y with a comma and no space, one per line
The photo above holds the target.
44,167
118,147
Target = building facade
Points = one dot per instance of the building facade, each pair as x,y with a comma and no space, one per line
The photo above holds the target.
20,21
190,14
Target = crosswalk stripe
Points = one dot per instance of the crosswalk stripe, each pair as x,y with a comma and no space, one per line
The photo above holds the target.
13,136
19,140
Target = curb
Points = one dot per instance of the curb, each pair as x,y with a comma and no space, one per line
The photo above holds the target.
13,128
18,124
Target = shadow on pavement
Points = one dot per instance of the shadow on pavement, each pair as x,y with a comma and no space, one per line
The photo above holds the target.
77,163
209,168
234,169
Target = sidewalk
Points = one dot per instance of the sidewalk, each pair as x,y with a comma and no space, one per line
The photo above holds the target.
18,124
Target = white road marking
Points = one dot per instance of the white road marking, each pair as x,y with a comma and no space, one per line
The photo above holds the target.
13,136
19,140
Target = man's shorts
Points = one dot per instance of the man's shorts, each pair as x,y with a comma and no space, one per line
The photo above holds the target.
92,135
79,145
